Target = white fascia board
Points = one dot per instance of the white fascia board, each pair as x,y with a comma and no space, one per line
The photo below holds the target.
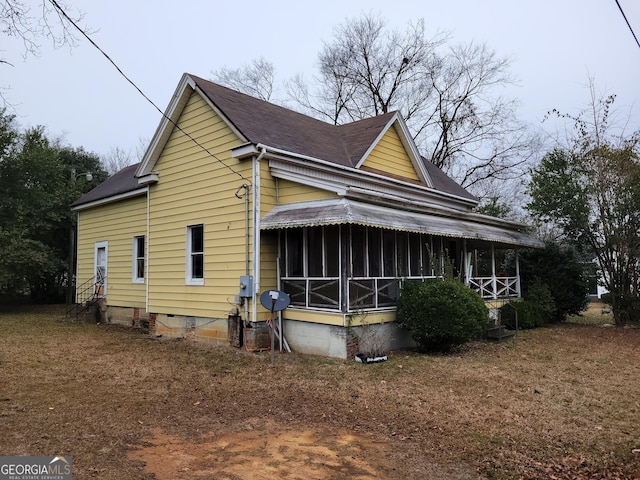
162,133
412,148
115,198
342,180
376,141
409,145
152,177
244,151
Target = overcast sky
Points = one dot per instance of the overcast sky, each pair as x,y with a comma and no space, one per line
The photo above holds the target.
555,44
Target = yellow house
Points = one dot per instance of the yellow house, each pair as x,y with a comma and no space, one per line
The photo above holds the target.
236,196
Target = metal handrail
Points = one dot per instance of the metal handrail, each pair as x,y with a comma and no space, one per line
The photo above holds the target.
87,294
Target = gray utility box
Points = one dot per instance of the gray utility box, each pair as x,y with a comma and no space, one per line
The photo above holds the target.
246,286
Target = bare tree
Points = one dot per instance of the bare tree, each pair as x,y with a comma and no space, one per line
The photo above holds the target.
448,96
466,127
256,79
590,190
32,21
116,160
368,71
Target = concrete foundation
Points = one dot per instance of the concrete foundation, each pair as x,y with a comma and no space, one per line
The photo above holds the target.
343,342
126,316
303,337
196,329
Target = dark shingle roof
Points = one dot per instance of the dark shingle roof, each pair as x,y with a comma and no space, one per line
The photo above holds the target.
122,182
444,183
278,127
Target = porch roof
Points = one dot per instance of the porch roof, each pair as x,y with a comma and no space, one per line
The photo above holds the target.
346,211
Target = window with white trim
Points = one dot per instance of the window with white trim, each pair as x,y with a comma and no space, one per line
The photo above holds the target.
195,255
138,259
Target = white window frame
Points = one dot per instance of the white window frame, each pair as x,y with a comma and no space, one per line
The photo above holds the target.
190,280
135,274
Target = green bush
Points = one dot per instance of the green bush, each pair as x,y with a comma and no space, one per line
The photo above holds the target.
441,314
528,315
564,274
537,309
630,308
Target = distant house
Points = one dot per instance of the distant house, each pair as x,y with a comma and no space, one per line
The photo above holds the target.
236,196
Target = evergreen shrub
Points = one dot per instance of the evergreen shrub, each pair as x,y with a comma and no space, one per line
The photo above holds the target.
441,314
537,309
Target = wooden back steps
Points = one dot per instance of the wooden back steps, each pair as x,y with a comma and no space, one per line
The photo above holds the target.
498,332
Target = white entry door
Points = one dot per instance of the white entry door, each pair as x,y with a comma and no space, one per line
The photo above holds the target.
100,268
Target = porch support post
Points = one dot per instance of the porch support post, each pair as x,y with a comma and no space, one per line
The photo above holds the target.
344,266
494,285
518,292
466,262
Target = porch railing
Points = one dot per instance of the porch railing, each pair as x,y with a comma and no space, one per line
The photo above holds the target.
381,292
495,287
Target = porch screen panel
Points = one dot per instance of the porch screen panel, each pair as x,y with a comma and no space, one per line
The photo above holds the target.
358,251
315,253
332,251
402,244
388,292
323,293
294,252
389,252
297,291
415,255
362,294
311,274
374,249
427,254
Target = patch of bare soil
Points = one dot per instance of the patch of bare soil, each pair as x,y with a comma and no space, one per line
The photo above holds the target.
265,450
559,402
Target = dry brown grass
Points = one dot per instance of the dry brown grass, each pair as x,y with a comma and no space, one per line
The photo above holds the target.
559,402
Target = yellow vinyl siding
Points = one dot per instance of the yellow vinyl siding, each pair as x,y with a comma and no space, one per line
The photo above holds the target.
268,189
291,192
196,188
389,155
116,223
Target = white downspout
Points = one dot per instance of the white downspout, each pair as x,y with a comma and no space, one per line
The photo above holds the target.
148,254
256,231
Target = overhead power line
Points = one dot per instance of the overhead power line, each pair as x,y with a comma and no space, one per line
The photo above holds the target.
628,24
85,35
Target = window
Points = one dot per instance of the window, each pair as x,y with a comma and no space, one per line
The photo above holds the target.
195,255
138,259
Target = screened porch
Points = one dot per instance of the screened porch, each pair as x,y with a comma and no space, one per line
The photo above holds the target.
350,268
